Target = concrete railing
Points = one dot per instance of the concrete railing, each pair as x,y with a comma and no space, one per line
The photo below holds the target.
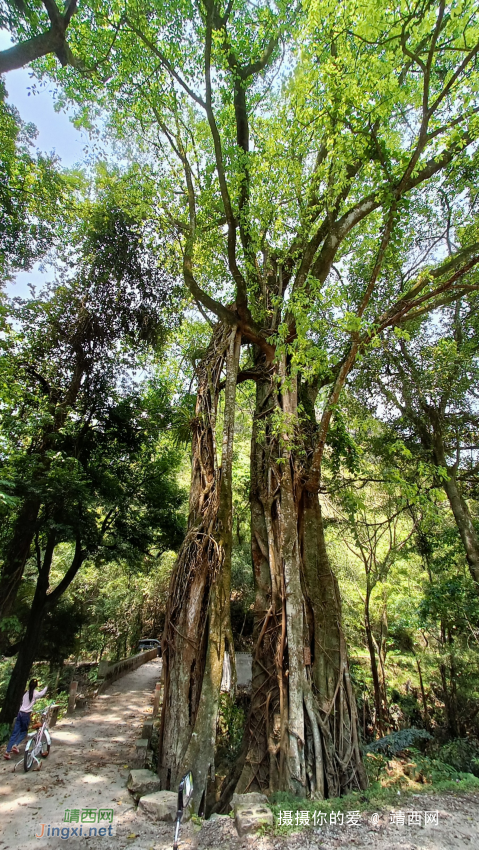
109,673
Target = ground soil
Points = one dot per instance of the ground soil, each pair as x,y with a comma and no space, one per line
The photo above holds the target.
88,767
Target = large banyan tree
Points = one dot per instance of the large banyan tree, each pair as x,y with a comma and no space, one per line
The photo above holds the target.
315,166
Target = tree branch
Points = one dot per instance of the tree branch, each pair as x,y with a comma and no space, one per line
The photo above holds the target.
322,265
241,288
52,41
59,590
165,62
403,310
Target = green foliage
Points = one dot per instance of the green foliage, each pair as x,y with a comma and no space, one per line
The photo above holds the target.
435,770
182,420
5,732
398,741
93,676
344,449
462,754
398,553
131,295
409,706
121,603
83,440
6,666
375,764
59,633
231,724
32,194
60,699
343,195
451,599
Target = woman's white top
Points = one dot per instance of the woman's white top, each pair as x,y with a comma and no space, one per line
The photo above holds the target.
27,703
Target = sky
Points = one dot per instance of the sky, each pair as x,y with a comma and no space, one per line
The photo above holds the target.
55,133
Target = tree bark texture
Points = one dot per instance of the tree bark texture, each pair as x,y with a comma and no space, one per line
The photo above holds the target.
197,623
51,41
302,731
433,441
430,427
464,524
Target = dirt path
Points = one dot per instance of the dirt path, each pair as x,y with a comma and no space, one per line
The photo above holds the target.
88,769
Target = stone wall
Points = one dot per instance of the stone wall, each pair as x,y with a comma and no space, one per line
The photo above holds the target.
108,673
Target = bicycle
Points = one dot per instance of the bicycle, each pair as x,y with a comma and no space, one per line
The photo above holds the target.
39,742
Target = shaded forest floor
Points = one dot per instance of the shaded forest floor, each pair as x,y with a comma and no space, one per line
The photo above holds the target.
88,768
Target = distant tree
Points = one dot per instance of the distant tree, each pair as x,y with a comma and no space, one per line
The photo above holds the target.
104,487
428,384
32,194
61,366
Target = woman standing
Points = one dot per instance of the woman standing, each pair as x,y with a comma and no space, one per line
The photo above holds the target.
23,717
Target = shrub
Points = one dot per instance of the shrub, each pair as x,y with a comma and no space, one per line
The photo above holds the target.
434,770
231,720
462,754
395,743
375,765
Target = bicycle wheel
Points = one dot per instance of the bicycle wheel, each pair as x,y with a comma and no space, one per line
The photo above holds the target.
45,746
28,757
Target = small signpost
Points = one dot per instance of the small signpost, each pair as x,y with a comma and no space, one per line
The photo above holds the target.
185,792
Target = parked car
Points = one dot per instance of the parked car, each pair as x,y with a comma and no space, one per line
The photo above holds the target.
149,643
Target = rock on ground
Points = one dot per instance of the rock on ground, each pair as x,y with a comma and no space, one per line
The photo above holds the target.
251,813
251,799
141,782
162,805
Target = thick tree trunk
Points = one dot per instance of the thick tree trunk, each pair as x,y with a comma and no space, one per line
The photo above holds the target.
29,646
334,699
51,41
464,524
42,603
302,729
16,554
197,619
